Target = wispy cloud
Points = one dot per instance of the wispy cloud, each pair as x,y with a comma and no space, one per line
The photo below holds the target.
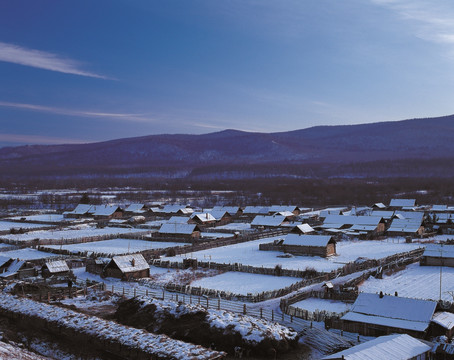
37,139
433,20
43,60
72,112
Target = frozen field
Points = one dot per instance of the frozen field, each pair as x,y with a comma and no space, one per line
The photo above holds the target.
243,283
41,217
421,282
69,233
26,254
313,304
7,225
249,254
116,246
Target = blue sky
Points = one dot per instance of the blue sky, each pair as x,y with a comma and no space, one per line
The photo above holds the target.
83,71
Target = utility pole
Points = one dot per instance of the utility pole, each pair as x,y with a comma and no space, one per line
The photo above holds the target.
441,266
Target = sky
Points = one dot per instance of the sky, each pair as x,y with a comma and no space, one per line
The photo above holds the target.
84,71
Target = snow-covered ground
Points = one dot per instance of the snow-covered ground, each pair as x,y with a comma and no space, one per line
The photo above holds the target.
26,254
421,282
7,225
70,233
116,246
313,304
243,283
214,235
236,227
248,253
41,217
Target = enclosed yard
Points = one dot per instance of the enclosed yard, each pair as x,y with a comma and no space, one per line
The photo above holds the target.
8,225
315,304
26,254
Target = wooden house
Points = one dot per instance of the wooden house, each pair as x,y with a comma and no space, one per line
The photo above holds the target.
354,225
378,314
205,219
407,224
136,209
106,212
126,267
222,217
402,204
443,324
81,210
305,245
183,231
97,265
284,208
438,255
55,268
234,211
303,229
389,347
17,269
269,221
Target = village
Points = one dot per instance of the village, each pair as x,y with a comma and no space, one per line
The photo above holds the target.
160,280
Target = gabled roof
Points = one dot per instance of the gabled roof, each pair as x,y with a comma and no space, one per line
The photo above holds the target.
219,214
130,263
439,207
81,209
304,228
13,268
392,311
337,221
255,210
57,266
135,208
204,217
307,240
379,206
385,214
268,220
183,229
104,210
285,213
4,260
444,319
280,208
232,210
439,251
402,202
178,220
390,347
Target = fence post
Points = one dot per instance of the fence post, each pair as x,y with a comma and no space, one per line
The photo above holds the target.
261,313
123,291
244,309
219,304
272,315
146,292
112,289
208,302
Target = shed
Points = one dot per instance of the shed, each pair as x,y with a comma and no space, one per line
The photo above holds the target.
443,324
13,270
179,230
378,314
269,221
57,268
126,267
390,347
306,245
303,229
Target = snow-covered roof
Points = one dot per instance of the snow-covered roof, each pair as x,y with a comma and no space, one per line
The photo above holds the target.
203,217
104,210
57,266
255,210
130,263
135,208
268,220
390,347
338,221
80,209
232,210
219,214
178,220
183,229
285,213
439,207
173,209
402,202
4,260
441,218
307,240
379,206
385,214
392,311
445,319
13,268
305,228
281,208
438,251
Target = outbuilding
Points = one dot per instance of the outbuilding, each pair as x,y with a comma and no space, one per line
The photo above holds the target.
126,267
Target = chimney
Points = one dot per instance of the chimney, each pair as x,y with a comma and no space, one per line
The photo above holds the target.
381,295
395,294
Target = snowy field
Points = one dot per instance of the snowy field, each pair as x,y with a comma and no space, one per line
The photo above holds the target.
421,282
243,283
69,233
41,217
27,254
313,304
7,225
214,235
249,254
116,246
236,227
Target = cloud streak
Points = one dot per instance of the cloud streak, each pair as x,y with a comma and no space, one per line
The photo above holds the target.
43,60
72,112
434,21
37,139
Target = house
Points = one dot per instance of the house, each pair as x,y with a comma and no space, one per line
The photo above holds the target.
356,225
57,268
202,219
284,208
378,314
106,212
443,324
303,229
17,269
222,217
380,206
407,223
175,210
187,231
390,347
178,220
234,211
126,267
402,203
305,245
136,209
438,255
256,210
269,221
81,210
96,266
